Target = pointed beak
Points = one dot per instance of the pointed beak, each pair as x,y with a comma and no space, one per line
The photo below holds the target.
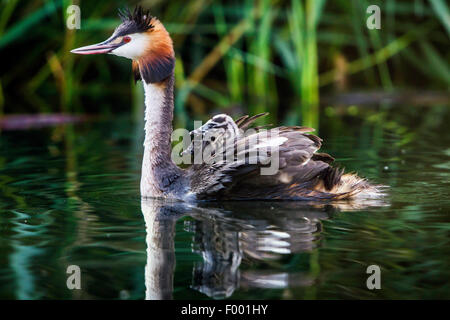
103,47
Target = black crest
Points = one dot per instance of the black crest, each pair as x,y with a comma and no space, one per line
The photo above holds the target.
139,18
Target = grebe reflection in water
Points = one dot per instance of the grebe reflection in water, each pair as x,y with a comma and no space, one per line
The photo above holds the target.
230,234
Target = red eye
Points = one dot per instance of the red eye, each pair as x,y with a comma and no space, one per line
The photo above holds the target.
126,39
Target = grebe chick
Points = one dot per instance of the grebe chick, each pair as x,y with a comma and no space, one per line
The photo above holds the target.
301,173
219,130
216,130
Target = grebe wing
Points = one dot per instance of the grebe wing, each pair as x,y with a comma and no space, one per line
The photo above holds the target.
239,176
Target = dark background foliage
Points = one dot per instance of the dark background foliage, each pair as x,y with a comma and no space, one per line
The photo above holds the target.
234,56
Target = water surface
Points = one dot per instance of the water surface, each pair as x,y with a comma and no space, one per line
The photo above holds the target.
70,196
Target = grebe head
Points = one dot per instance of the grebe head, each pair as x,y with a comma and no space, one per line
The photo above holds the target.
219,121
143,39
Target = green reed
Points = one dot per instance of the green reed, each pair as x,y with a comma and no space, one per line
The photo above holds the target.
278,56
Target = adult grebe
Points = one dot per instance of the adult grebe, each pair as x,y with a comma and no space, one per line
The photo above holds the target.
302,173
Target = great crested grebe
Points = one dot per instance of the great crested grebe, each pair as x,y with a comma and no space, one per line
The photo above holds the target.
303,174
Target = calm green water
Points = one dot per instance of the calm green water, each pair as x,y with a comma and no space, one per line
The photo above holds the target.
69,195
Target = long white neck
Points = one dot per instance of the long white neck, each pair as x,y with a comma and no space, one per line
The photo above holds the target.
158,170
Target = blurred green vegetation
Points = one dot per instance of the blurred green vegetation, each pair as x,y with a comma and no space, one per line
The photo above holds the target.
280,56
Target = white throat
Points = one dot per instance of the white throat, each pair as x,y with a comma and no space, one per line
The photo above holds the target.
154,106
158,169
